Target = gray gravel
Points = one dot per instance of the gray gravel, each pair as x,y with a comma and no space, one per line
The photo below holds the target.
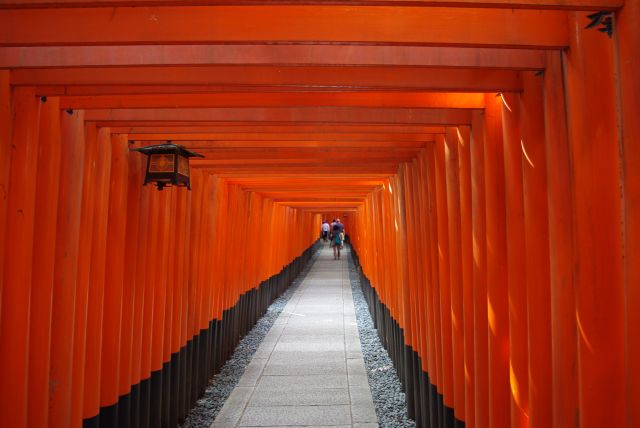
221,385
388,397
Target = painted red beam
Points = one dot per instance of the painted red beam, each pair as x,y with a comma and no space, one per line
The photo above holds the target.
127,126
259,137
233,54
203,146
227,78
516,4
369,171
283,114
302,182
266,130
274,24
279,99
319,175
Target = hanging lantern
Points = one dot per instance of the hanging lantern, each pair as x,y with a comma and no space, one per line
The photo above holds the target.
167,165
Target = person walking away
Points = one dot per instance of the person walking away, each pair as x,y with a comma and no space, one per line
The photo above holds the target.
325,231
338,236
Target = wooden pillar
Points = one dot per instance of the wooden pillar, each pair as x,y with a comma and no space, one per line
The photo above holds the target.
141,257
452,141
594,142
93,347
130,290
627,38
84,270
66,267
159,305
44,246
114,278
18,247
480,319
516,268
437,375
537,249
466,245
444,278
561,248
152,244
6,123
497,293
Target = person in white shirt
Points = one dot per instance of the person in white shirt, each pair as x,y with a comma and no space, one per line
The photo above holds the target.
325,230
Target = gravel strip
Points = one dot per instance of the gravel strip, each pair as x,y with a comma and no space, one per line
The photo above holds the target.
221,385
388,397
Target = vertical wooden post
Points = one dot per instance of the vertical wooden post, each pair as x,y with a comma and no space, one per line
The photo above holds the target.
6,123
561,248
444,278
44,246
18,243
594,141
480,319
93,360
438,378
151,246
497,293
137,162
627,38
130,289
516,269
452,141
66,267
466,246
114,279
537,248
84,264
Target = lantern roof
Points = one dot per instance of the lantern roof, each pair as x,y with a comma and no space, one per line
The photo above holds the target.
167,148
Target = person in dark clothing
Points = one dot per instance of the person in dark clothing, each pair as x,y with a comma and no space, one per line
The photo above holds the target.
337,234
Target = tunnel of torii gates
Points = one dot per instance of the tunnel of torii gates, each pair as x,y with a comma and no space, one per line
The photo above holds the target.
484,155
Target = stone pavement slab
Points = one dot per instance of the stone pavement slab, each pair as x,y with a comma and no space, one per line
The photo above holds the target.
309,370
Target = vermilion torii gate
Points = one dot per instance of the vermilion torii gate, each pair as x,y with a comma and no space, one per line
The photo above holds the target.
486,154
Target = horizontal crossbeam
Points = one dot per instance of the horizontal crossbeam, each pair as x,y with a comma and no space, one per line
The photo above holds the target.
285,24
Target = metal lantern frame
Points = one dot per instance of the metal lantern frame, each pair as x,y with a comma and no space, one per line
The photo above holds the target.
167,165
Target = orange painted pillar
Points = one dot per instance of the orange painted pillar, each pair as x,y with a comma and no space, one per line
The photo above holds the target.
594,140
444,275
93,348
138,163
6,123
516,269
18,243
66,268
44,246
430,168
178,316
537,248
478,230
159,306
151,245
130,293
627,38
452,141
87,202
427,261
466,247
497,292
561,251
114,279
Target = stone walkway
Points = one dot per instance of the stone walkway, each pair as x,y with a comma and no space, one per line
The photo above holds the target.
309,369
